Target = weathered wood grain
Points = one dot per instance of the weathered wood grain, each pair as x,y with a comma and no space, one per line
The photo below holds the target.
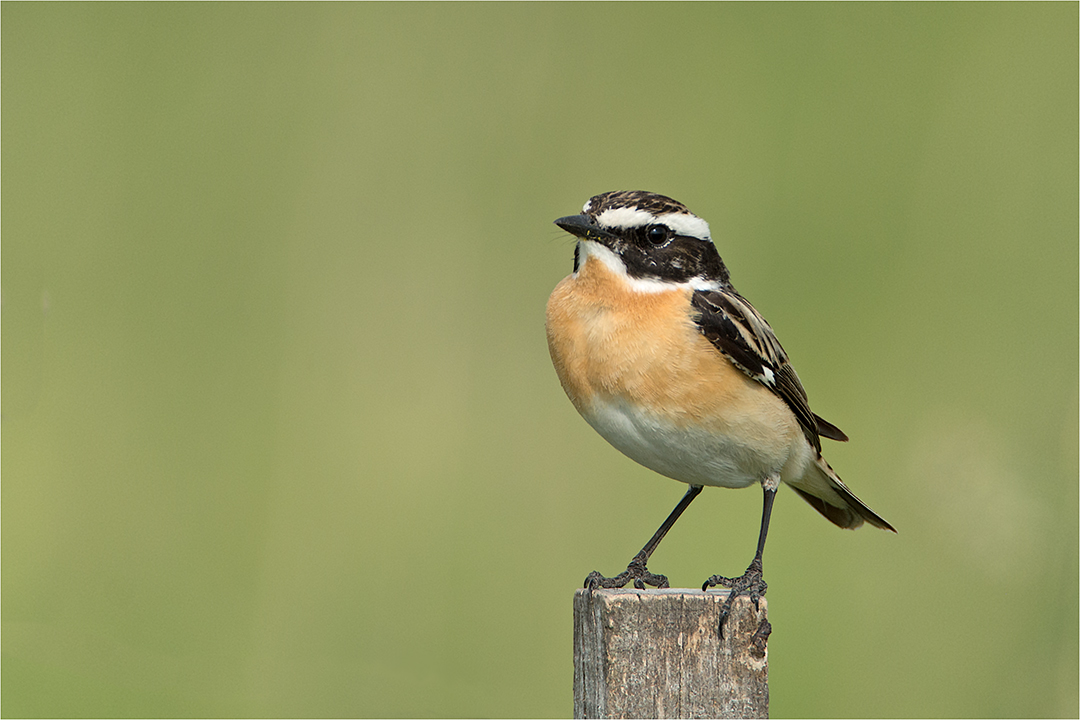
657,654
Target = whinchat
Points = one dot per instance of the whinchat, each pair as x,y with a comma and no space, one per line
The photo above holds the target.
679,372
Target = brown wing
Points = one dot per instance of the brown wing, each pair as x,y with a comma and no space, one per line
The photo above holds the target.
736,329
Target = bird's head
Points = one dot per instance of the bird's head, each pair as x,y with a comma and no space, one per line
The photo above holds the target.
648,237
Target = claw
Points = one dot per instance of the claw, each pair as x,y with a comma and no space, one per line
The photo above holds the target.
594,580
635,571
751,584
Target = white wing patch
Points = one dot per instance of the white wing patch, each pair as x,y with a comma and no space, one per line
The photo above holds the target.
705,284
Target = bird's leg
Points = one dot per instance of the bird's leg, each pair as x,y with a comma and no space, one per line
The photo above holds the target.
751,583
636,570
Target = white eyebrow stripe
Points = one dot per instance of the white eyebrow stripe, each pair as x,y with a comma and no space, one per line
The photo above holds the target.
684,224
629,217
625,217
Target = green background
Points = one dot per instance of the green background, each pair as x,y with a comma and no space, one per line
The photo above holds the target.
280,431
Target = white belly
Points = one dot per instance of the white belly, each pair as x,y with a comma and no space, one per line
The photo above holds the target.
693,455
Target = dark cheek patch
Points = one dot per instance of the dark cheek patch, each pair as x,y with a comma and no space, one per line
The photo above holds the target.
680,260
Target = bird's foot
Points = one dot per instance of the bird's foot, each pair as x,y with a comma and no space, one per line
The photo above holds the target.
635,571
751,584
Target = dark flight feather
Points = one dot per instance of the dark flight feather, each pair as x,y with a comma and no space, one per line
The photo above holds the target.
736,329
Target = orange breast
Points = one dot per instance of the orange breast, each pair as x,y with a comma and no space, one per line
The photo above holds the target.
610,342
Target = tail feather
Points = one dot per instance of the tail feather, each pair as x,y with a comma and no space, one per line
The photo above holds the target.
826,493
827,430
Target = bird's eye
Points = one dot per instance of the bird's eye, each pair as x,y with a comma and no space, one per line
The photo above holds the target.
658,234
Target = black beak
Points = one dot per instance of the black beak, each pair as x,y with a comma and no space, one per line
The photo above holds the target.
583,227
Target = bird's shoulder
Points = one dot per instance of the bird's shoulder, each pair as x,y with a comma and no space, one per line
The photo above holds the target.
736,329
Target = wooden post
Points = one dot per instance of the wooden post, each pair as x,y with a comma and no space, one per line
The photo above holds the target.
657,654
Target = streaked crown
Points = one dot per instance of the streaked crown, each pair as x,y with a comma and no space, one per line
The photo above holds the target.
628,209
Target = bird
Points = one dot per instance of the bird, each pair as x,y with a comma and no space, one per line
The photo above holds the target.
673,367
